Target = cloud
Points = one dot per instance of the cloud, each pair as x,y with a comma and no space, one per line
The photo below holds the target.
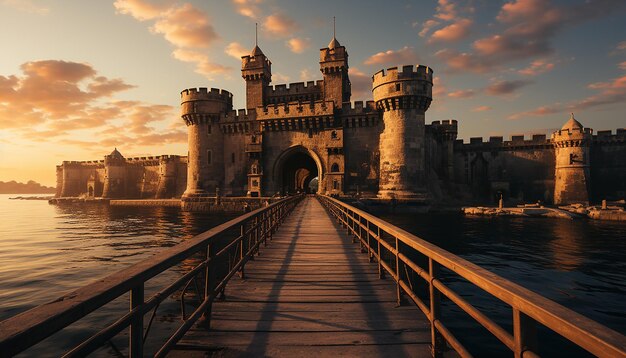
622,65
279,78
361,84
139,9
236,50
537,67
500,88
305,75
248,8
203,64
427,26
462,94
54,99
298,45
28,6
526,29
481,109
610,92
280,25
184,26
405,55
452,33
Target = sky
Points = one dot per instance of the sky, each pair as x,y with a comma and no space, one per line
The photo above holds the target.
79,78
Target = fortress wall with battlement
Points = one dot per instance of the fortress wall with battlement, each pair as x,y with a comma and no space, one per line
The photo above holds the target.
295,110
608,165
299,91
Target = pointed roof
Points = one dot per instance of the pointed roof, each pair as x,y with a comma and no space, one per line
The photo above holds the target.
256,51
333,43
116,154
572,123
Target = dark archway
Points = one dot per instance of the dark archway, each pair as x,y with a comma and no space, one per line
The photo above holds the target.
298,170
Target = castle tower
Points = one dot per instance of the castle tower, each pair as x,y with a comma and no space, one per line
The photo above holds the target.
71,178
115,175
571,179
334,67
168,165
403,97
256,70
201,109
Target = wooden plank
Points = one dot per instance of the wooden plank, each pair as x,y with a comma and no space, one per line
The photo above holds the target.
310,292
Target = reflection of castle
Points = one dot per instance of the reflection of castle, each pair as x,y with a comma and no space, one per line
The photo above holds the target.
289,135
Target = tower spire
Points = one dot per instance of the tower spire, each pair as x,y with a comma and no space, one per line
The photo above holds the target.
334,33
334,43
256,34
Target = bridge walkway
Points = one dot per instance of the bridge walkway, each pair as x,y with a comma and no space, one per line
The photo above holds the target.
310,293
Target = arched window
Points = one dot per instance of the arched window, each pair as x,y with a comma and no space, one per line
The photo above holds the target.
334,168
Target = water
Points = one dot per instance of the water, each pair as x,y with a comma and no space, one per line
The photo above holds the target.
579,264
46,251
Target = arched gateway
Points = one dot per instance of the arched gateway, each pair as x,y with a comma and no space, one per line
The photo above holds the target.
295,168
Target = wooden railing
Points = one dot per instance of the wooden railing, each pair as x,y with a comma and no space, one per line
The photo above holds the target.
395,252
217,264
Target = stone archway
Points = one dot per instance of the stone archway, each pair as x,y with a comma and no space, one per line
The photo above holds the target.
295,168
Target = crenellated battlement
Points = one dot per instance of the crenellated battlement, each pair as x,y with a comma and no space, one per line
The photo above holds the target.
607,136
408,73
295,87
409,88
494,143
296,109
358,108
240,115
204,94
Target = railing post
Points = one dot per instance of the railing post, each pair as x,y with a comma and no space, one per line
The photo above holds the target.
136,326
524,333
369,246
437,341
398,288
208,289
381,270
241,252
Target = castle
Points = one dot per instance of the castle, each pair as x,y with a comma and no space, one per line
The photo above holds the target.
290,138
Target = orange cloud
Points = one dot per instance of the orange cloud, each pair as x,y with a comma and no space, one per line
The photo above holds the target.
248,8
537,67
236,50
622,65
500,88
528,28
481,109
280,24
203,64
298,45
452,33
462,94
184,26
56,99
405,55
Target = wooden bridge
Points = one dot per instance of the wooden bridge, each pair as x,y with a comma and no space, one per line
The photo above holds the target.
312,292
315,277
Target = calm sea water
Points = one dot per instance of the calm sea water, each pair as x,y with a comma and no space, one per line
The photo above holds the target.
48,250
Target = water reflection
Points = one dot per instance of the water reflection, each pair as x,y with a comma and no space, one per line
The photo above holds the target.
567,245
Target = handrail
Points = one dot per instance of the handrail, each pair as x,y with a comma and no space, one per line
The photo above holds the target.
529,308
24,330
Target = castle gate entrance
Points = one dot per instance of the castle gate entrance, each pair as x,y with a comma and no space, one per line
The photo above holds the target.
295,170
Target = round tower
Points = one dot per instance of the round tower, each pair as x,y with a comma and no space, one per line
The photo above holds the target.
168,171
572,163
201,109
114,175
403,97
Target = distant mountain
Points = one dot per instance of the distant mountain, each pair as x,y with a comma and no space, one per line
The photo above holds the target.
32,187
